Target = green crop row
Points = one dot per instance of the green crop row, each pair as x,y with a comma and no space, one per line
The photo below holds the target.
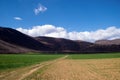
14,60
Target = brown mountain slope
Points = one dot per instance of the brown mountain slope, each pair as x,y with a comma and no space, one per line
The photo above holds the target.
64,45
108,42
17,38
10,48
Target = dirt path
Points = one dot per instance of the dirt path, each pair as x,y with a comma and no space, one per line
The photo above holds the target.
22,73
35,68
94,69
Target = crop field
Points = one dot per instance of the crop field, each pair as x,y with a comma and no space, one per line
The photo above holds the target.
66,67
94,56
105,69
14,60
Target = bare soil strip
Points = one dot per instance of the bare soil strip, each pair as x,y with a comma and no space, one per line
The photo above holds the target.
22,73
90,69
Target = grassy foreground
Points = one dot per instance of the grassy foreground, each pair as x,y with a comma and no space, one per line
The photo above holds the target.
94,56
86,67
8,61
14,61
81,67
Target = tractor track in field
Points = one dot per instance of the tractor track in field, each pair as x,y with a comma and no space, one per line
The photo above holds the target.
21,73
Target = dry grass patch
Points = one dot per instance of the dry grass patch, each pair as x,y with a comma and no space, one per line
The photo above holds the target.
89,69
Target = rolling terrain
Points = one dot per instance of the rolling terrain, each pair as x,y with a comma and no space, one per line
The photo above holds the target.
64,45
13,41
108,42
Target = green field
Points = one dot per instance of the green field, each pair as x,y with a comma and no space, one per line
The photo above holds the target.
8,61
94,56
68,67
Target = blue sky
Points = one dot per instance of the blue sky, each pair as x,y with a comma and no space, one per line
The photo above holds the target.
72,15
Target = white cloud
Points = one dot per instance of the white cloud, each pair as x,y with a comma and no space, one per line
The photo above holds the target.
40,9
45,30
60,32
18,18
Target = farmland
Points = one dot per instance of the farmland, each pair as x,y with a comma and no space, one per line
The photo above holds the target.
60,67
94,56
100,69
21,60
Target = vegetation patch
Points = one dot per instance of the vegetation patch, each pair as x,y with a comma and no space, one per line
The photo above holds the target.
14,61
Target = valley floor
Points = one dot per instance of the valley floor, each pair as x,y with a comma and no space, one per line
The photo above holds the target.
68,69
93,69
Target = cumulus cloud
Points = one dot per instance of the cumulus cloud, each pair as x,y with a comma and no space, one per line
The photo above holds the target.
40,9
18,18
60,32
45,30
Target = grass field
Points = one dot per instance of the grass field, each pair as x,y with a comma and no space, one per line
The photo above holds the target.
81,67
14,60
60,67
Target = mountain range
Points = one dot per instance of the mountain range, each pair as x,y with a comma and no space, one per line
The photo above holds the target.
13,41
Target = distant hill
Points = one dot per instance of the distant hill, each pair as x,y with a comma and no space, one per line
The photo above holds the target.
108,42
13,41
64,45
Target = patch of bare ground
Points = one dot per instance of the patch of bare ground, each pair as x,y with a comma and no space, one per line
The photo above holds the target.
21,73
90,69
